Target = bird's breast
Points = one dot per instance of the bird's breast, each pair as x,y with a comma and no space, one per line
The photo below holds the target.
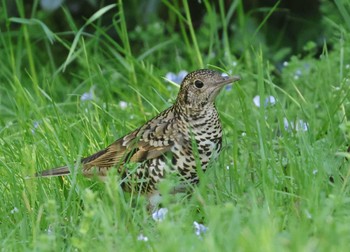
202,142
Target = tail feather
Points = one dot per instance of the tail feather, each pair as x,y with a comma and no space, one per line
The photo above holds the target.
59,171
102,160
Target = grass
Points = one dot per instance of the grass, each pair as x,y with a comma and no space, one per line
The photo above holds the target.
273,188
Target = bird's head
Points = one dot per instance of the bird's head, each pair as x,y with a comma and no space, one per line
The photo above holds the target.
201,87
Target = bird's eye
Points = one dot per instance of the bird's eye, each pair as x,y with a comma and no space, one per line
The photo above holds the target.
198,84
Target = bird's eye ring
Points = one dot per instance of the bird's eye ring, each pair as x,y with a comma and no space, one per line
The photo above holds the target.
198,84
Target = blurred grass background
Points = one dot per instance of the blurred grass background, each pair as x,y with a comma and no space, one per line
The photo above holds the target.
76,75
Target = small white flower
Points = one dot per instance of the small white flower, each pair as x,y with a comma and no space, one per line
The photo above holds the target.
141,237
138,29
224,74
228,87
212,55
256,101
88,96
182,74
314,172
123,104
269,101
14,210
285,63
35,126
308,214
244,134
171,76
286,123
347,66
298,72
300,125
234,63
50,230
159,215
50,5
227,167
199,228
177,78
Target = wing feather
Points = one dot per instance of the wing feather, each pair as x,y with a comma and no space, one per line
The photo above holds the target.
152,140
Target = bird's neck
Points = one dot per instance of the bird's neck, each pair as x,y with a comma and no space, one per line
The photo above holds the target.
193,115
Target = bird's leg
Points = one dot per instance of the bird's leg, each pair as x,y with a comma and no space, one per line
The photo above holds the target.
154,199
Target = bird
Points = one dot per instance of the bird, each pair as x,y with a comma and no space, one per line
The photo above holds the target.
176,141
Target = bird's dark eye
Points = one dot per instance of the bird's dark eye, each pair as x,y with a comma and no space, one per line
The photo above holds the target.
198,84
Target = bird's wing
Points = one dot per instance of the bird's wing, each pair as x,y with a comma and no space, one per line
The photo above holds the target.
152,140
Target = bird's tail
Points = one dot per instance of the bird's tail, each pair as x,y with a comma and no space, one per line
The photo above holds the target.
58,171
103,159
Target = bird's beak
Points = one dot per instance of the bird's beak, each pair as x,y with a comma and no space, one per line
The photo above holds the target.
228,79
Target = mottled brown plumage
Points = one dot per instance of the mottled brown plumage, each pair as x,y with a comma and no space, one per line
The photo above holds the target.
175,141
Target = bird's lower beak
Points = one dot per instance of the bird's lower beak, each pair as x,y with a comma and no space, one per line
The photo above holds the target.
215,89
228,79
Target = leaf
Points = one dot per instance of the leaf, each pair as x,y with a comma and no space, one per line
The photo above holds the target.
49,34
94,17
